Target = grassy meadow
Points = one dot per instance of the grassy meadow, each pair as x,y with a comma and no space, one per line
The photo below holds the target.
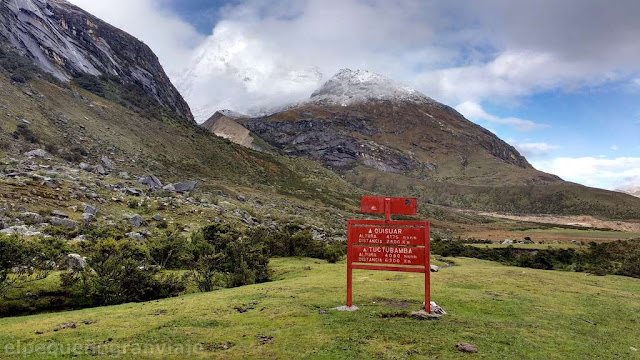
506,312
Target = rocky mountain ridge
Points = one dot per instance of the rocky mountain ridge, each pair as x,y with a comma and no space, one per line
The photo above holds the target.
69,43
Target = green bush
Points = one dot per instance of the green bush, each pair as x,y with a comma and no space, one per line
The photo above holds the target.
118,271
220,255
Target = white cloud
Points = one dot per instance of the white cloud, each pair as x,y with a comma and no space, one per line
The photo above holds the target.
614,147
171,38
620,172
474,111
454,51
535,149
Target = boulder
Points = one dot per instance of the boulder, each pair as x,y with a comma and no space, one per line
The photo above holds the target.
135,236
88,209
107,163
100,170
38,153
135,220
151,182
157,217
87,217
507,242
33,218
73,262
184,187
434,268
132,191
63,222
59,214
86,167
23,230
169,188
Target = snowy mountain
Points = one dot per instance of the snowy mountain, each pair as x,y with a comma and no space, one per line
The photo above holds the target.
255,80
353,86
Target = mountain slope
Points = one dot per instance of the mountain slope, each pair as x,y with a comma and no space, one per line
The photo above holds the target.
388,138
69,43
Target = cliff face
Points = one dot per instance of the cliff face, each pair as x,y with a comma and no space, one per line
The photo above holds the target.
68,43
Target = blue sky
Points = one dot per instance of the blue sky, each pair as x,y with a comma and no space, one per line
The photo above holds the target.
558,80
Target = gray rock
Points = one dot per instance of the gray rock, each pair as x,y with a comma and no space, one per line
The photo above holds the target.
86,167
132,191
59,214
507,242
31,217
88,209
69,224
72,262
107,163
157,217
434,268
185,186
135,220
135,236
23,230
100,170
80,238
87,217
124,175
151,182
169,188
38,153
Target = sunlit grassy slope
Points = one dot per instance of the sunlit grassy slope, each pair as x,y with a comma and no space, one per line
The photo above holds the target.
507,312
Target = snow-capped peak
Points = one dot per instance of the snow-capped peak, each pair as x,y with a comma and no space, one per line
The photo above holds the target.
354,86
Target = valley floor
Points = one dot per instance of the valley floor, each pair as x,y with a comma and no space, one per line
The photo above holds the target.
506,312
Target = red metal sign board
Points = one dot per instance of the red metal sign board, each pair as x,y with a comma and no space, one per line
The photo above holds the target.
395,206
388,236
388,244
396,255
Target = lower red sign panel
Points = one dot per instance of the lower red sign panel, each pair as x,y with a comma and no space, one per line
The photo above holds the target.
404,255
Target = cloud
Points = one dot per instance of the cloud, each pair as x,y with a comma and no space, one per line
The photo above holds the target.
171,38
475,111
454,51
614,147
535,149
617,173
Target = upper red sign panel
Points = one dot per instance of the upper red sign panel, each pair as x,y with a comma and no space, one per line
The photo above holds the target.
398,206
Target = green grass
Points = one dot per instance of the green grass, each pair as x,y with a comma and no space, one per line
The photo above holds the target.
531,246
507,312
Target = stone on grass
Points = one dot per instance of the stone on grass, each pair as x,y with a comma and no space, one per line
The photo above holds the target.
151,182
73,262
135,236
185,186
23,230
135,220
88,209
346,308
100,170
107,162
59,214
434,268
466,347
157,217
86,167
38,153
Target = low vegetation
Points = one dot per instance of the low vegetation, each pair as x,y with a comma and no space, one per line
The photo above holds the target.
620,257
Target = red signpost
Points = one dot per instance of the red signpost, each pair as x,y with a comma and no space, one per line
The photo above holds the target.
391,245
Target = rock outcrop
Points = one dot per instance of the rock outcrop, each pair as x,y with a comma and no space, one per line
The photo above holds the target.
68,43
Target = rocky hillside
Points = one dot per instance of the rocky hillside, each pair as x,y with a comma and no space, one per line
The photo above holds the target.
72,45
388,138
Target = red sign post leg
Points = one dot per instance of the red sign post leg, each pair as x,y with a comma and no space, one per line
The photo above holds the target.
349,281
427,269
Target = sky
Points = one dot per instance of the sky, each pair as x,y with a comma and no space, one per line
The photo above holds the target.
559,80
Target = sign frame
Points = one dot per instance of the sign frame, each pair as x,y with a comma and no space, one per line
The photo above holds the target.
423,229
